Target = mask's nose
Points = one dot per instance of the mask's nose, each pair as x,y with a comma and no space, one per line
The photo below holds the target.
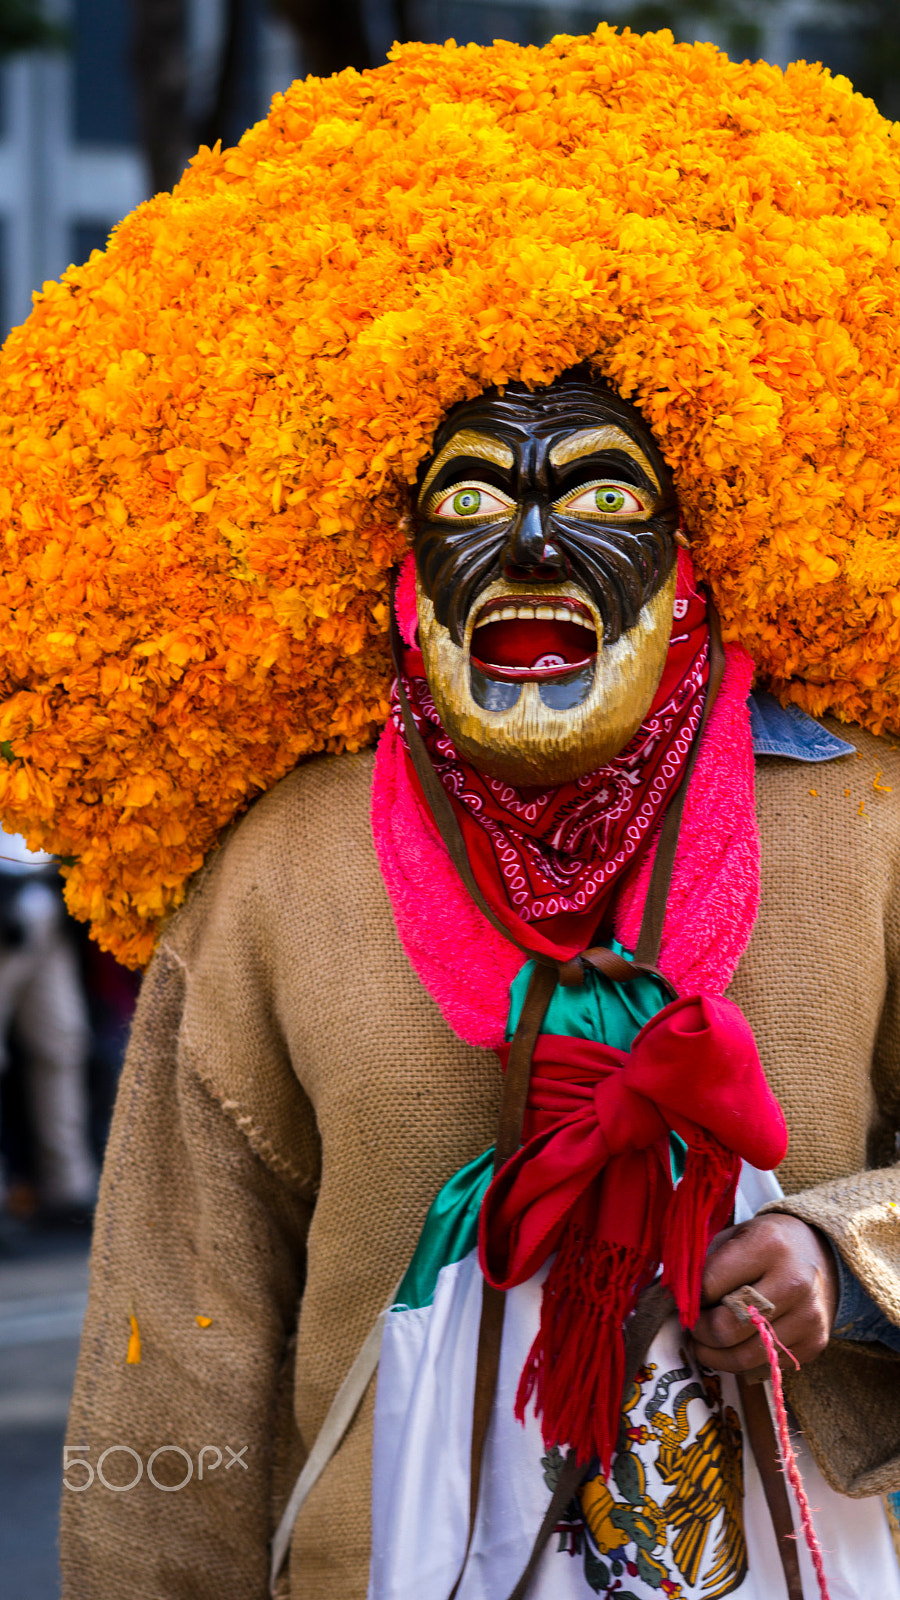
531,555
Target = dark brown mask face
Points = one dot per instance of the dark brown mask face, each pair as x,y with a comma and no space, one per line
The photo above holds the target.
566,483
545,554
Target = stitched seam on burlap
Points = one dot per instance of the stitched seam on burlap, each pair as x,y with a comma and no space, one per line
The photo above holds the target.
166,949
307,1185
306,1182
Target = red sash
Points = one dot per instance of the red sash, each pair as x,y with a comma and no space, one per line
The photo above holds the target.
592,1181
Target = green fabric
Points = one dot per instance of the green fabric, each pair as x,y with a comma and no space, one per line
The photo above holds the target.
677,1156
450,1231
597,1009
600,1009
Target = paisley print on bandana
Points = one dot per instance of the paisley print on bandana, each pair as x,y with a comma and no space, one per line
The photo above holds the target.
557,854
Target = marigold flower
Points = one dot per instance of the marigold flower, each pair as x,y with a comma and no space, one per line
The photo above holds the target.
133,1353
209,431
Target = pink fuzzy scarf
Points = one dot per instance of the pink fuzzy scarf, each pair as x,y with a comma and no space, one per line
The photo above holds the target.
467,967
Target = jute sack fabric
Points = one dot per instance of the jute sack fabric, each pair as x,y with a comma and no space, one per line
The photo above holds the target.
293,1100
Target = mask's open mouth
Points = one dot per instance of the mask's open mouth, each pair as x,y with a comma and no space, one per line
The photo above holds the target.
539,698
548,640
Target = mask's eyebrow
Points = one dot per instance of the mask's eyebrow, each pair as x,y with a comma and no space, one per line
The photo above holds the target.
595,440
469,443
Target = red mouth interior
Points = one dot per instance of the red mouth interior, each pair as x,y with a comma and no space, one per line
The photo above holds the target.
523,643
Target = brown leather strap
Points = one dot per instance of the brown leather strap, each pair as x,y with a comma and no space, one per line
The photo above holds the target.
493,1301
652,1310
571,1477
538,995
545,975
768,1459
654,1307
439,802
650,937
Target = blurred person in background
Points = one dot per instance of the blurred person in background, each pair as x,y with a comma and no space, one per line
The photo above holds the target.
42,999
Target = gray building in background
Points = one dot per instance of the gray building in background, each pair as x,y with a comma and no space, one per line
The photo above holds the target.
71,163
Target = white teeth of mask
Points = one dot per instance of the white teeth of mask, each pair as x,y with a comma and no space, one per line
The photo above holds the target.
544,613
578,700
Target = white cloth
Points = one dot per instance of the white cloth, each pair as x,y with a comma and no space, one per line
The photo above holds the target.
15,857
666,1515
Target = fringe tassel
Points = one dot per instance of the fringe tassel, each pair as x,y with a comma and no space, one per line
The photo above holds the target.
700,1205
575,1368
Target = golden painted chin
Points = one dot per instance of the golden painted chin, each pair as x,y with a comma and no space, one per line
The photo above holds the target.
533,696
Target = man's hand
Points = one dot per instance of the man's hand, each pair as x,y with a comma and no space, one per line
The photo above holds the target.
792,1266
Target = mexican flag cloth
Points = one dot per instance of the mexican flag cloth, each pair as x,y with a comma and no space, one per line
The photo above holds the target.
678,1508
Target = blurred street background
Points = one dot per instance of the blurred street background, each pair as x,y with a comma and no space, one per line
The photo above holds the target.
111,97
43,1292
102,103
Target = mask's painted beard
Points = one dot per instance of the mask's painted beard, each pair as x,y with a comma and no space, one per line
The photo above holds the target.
618,569
546,726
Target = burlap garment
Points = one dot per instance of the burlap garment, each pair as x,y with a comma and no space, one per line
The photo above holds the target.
293,1100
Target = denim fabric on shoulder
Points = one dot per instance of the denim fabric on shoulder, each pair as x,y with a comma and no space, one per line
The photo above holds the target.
858,1317
787,731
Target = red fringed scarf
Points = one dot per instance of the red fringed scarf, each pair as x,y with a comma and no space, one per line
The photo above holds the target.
592,1182
549,861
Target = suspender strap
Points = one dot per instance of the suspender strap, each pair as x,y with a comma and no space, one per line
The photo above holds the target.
571,1477
654,1307
545,976
650,937
341,1412
493,1301
764,1445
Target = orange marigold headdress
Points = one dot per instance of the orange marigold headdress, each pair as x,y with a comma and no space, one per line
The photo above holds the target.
208,432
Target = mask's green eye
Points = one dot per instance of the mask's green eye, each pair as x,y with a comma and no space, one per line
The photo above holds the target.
467,502
609,499
604,500
470,500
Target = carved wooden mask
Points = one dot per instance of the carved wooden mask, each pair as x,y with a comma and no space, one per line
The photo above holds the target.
545,555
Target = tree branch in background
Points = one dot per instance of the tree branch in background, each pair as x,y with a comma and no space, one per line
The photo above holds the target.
212,123
865,32
331,34
878,74
160,66
23,27
169,135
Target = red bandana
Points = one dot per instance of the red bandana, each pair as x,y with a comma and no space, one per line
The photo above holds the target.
551,859
592,1181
